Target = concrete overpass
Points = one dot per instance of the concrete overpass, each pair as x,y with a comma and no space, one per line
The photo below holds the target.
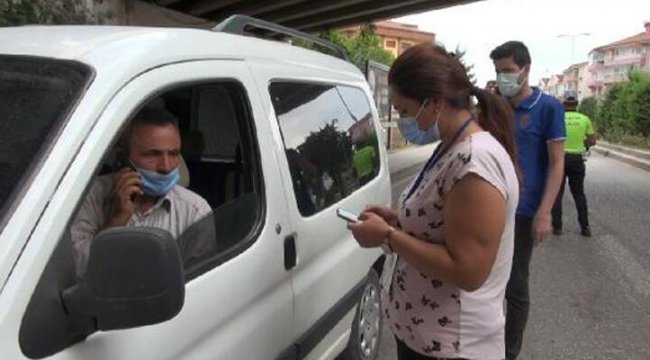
306,15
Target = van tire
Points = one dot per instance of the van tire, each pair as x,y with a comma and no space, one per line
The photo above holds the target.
367,325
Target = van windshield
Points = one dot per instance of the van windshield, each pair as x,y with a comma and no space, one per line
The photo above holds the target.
36,95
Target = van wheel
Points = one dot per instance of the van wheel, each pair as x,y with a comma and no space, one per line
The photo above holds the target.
365,337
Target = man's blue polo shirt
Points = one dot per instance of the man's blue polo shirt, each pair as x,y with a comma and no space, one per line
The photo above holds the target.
539,118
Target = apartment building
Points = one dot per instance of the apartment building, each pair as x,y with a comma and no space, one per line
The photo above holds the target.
395,37
612,63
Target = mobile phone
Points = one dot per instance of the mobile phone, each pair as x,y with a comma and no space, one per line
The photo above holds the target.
346,215
122,161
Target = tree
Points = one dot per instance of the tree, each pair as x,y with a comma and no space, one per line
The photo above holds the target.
361,47
318,150
589,106
639,103
609,111
21,12
624,114
459,54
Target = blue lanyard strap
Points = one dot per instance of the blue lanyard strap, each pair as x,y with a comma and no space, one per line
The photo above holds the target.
435,157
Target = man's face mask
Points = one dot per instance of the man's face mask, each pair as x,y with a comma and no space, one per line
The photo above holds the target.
156,184
509,84
410,129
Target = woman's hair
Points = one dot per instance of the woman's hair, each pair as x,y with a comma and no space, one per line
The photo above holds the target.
427,71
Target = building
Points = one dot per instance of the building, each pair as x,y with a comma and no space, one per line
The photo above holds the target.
585,77
612,63
575,80
555,86
395,37
544,84
572,76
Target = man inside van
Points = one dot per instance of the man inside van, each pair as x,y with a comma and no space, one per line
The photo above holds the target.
144,190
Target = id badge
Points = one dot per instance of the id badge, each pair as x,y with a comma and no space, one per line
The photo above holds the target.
387,272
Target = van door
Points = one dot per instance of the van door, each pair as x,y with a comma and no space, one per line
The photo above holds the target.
238,296
332,159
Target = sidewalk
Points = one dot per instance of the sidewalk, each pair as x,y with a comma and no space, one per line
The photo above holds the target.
408,159
634,157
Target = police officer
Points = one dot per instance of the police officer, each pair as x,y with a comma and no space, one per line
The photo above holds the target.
580,136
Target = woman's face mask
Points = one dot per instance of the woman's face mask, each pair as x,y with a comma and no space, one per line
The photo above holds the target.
410,129
156,184
509,84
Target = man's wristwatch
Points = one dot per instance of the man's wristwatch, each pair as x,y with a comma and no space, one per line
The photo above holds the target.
385,244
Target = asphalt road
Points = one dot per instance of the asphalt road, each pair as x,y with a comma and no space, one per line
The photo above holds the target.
590,296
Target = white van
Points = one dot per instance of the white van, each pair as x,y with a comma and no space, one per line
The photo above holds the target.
270,132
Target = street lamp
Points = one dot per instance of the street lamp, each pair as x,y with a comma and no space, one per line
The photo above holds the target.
573,38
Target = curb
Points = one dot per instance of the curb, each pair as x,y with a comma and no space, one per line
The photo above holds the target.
623,157
645,155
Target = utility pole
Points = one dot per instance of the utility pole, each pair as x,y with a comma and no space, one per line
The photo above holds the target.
573,39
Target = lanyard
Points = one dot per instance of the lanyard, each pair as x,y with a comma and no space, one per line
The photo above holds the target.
435,157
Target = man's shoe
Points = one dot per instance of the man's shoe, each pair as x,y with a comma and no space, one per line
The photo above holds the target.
557,231
586,232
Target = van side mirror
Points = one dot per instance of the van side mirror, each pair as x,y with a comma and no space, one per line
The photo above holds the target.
134,277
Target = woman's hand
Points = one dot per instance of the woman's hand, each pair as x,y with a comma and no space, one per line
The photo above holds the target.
389,215
370,230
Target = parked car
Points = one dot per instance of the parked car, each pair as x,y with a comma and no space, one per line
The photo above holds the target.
269,135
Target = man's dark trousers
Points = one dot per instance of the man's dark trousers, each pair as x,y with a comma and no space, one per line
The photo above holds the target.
517,295
574,170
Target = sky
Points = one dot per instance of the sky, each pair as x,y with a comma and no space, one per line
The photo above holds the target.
479,27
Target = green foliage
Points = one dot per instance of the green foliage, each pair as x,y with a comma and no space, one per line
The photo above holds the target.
609,111
318,148
468,68
624,114
21,12
589,106
639,103
361,47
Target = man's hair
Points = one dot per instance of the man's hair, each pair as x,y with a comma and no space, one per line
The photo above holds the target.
515,49
154,116
147,116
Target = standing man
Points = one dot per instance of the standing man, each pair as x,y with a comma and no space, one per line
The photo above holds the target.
491,86
540,134
580,136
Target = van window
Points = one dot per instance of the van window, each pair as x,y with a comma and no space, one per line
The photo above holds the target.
36,95
219,185
329,139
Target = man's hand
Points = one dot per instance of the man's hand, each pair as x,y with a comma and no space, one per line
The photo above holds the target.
541,226
127,184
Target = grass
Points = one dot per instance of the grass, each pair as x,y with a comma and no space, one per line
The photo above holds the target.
635,141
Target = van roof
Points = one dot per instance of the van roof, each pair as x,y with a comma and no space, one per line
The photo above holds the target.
146,47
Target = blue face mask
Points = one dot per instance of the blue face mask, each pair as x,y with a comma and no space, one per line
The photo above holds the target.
410,129
156,184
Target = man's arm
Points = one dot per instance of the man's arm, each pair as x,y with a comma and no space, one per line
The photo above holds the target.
542,221
199,237
88,221
555,133
590,140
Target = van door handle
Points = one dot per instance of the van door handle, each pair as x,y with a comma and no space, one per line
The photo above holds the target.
290,251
